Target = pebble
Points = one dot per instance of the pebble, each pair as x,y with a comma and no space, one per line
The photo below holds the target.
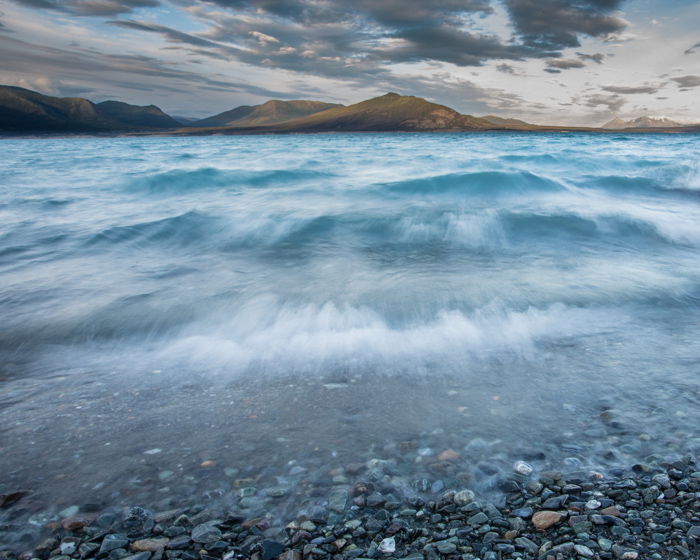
149,545
543,520
584,551
446,547
448,455
464,497
523,468
387,546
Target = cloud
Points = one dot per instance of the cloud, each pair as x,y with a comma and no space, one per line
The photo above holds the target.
647,88
557,24
564,63
340,36
612,102
687,82
691,50
110,69
90,7
506,68
597,57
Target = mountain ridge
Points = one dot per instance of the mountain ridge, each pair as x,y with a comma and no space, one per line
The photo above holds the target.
640,122
389,112
26,111
274,111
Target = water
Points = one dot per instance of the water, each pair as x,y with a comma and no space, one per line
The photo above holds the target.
268,302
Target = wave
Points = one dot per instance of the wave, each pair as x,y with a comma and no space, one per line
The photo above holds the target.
273,337
677,181
480,183
421,229
180,230
187,180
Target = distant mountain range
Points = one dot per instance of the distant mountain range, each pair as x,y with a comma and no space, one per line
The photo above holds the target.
24,111
271,112
640,122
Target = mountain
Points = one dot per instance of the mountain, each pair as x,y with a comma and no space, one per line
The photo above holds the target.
390,112
25,110
500,121
640,122
271,112
148,116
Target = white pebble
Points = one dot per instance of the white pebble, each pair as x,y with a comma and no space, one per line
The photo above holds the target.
387,546
593,504
521,467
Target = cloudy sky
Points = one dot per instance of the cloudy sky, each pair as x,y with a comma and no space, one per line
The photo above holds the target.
547,61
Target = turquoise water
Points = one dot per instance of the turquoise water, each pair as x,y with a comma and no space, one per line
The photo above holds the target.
253,299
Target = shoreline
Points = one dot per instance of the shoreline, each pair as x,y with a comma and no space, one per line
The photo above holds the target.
644,513
180,133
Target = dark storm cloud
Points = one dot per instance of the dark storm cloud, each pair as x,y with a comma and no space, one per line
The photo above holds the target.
557,24
647,88
90,7
687,82
112,69
389,13
395,31
564,63
452,45
356,41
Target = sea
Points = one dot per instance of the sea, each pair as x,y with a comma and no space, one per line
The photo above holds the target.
184,317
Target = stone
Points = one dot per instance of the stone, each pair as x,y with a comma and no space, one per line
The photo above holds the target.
387,546
448,455
205,533
446,547
69,545
478,519
112,542
464,497
139,556
584,551
178,543
543,520
523,468
555,502
138,521
77,522
271,549
149,545
69,511
527,545
338,500
523,513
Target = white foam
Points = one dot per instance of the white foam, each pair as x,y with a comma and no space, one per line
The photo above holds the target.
282,337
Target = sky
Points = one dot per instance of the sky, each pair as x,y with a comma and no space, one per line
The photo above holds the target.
568,62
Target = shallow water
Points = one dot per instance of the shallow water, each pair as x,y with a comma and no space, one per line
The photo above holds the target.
271,301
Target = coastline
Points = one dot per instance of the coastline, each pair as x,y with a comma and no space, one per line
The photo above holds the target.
645,512
179,133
